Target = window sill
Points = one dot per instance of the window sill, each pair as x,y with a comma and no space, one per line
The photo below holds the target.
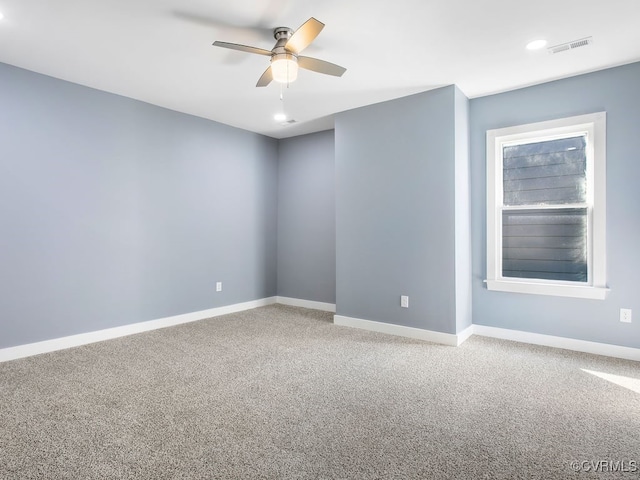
576,291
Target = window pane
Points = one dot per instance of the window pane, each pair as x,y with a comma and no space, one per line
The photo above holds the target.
551,172
545,244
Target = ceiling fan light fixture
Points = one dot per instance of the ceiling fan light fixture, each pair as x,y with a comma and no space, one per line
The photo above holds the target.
284,67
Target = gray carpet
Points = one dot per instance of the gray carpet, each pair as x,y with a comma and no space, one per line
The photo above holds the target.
280,392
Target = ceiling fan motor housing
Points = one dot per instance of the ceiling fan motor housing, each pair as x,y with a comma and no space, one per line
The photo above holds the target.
282,32
282,36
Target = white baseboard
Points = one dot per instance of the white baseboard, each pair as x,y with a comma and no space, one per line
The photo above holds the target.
455,340
20,351
399,330
297,302
464,335
585,346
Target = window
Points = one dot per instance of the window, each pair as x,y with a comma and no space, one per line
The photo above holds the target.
546,207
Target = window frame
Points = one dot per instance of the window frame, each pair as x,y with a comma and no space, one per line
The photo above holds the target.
594,126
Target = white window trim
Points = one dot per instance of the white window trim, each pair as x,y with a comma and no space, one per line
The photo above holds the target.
595,127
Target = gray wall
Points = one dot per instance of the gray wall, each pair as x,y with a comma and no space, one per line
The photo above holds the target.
306,218
616,92
462,213
395,211
113,211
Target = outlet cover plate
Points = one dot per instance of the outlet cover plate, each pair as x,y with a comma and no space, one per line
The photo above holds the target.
625,315
404,301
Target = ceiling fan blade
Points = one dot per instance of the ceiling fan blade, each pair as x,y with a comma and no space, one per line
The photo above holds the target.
243,48
266,78
321,66
302,37
256,30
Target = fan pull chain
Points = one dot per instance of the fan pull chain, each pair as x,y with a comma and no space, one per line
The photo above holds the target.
282,97
282,111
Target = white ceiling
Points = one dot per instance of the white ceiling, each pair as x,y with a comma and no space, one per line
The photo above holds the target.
159,51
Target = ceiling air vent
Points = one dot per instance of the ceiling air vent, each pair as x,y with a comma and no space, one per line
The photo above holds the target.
583,42
288,122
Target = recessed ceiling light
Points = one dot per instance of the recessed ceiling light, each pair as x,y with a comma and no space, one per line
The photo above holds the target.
536,44
279,117
1,16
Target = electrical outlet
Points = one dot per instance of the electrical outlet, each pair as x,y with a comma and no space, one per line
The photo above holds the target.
404,301
218,286
625,315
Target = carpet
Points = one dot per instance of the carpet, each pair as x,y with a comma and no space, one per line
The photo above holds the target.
280,392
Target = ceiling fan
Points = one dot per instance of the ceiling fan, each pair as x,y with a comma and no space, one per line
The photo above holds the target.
285,55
